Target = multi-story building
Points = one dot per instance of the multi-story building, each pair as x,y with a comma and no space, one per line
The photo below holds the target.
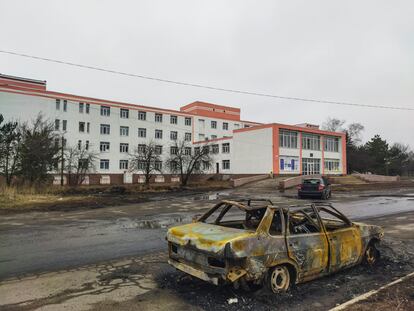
114,130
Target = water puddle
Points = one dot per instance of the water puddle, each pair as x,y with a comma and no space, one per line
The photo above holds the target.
162,223
210,196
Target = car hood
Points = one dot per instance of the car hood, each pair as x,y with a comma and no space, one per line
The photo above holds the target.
206,237
370,230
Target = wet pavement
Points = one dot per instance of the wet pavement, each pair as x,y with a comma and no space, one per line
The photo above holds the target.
50,241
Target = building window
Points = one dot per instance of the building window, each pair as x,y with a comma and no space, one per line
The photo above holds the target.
213,136
158,134
225,126
123,148
87,108
236,126
173,135
288,139
158,165
81,105
142,115
64,124
142,132
311,142
158,117
79,144
201,123
81,127
104,164
331,165
87,145
187,136
105,111
124,131
104,146
158,149
57,104
246,126
57,124
331,144
173,119
105,129
213,124
225,148
142,148
123,164
173,150
65,105
124,113
215,149
187,150
88,127
206,165
226,164
187,121
289,163
201,137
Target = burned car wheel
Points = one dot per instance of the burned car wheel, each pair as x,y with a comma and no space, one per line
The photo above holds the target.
372,254
278,279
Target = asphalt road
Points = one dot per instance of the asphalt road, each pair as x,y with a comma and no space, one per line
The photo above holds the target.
38,242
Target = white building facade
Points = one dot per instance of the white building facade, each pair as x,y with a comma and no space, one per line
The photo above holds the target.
113,130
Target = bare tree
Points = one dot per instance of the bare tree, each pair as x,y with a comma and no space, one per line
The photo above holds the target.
147,160
186,162
79,161
10,141
354,132
333,125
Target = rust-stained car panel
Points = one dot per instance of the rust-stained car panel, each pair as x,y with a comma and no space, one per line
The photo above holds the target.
257,242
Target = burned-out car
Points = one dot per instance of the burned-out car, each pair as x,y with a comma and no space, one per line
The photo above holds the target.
255,242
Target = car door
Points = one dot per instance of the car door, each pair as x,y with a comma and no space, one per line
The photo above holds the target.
344,239
307,245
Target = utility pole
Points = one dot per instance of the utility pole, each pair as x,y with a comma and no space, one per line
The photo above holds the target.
62,161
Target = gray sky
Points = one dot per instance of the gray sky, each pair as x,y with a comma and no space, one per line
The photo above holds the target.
353,51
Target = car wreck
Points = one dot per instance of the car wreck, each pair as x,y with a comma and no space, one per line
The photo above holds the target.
253,242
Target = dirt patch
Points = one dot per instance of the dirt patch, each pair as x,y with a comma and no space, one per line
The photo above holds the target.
397,297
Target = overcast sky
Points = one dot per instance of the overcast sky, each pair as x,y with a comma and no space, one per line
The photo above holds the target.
351,51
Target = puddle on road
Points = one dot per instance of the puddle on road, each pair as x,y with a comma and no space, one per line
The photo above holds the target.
211,197
162,223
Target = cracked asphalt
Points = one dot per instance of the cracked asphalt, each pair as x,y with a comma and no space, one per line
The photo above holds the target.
115,258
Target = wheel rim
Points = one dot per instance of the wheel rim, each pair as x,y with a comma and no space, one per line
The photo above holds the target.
370,255
279,279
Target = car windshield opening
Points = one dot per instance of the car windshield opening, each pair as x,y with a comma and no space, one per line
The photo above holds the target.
232,216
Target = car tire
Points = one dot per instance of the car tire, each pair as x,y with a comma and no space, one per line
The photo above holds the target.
371,255
278,279
324,196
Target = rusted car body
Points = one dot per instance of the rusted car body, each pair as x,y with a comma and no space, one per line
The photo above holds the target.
247,242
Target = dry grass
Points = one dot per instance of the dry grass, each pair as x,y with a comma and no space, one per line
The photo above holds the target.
46,198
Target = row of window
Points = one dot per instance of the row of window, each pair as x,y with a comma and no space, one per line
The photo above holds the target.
124,165
142,115
124,148
289,139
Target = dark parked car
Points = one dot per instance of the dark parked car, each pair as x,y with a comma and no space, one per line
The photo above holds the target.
315,187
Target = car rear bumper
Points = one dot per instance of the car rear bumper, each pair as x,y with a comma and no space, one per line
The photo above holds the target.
310,193
194,272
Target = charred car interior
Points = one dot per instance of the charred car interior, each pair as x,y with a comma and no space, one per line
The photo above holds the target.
254,242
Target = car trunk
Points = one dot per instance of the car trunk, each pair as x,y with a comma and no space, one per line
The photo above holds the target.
206,237
310,185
